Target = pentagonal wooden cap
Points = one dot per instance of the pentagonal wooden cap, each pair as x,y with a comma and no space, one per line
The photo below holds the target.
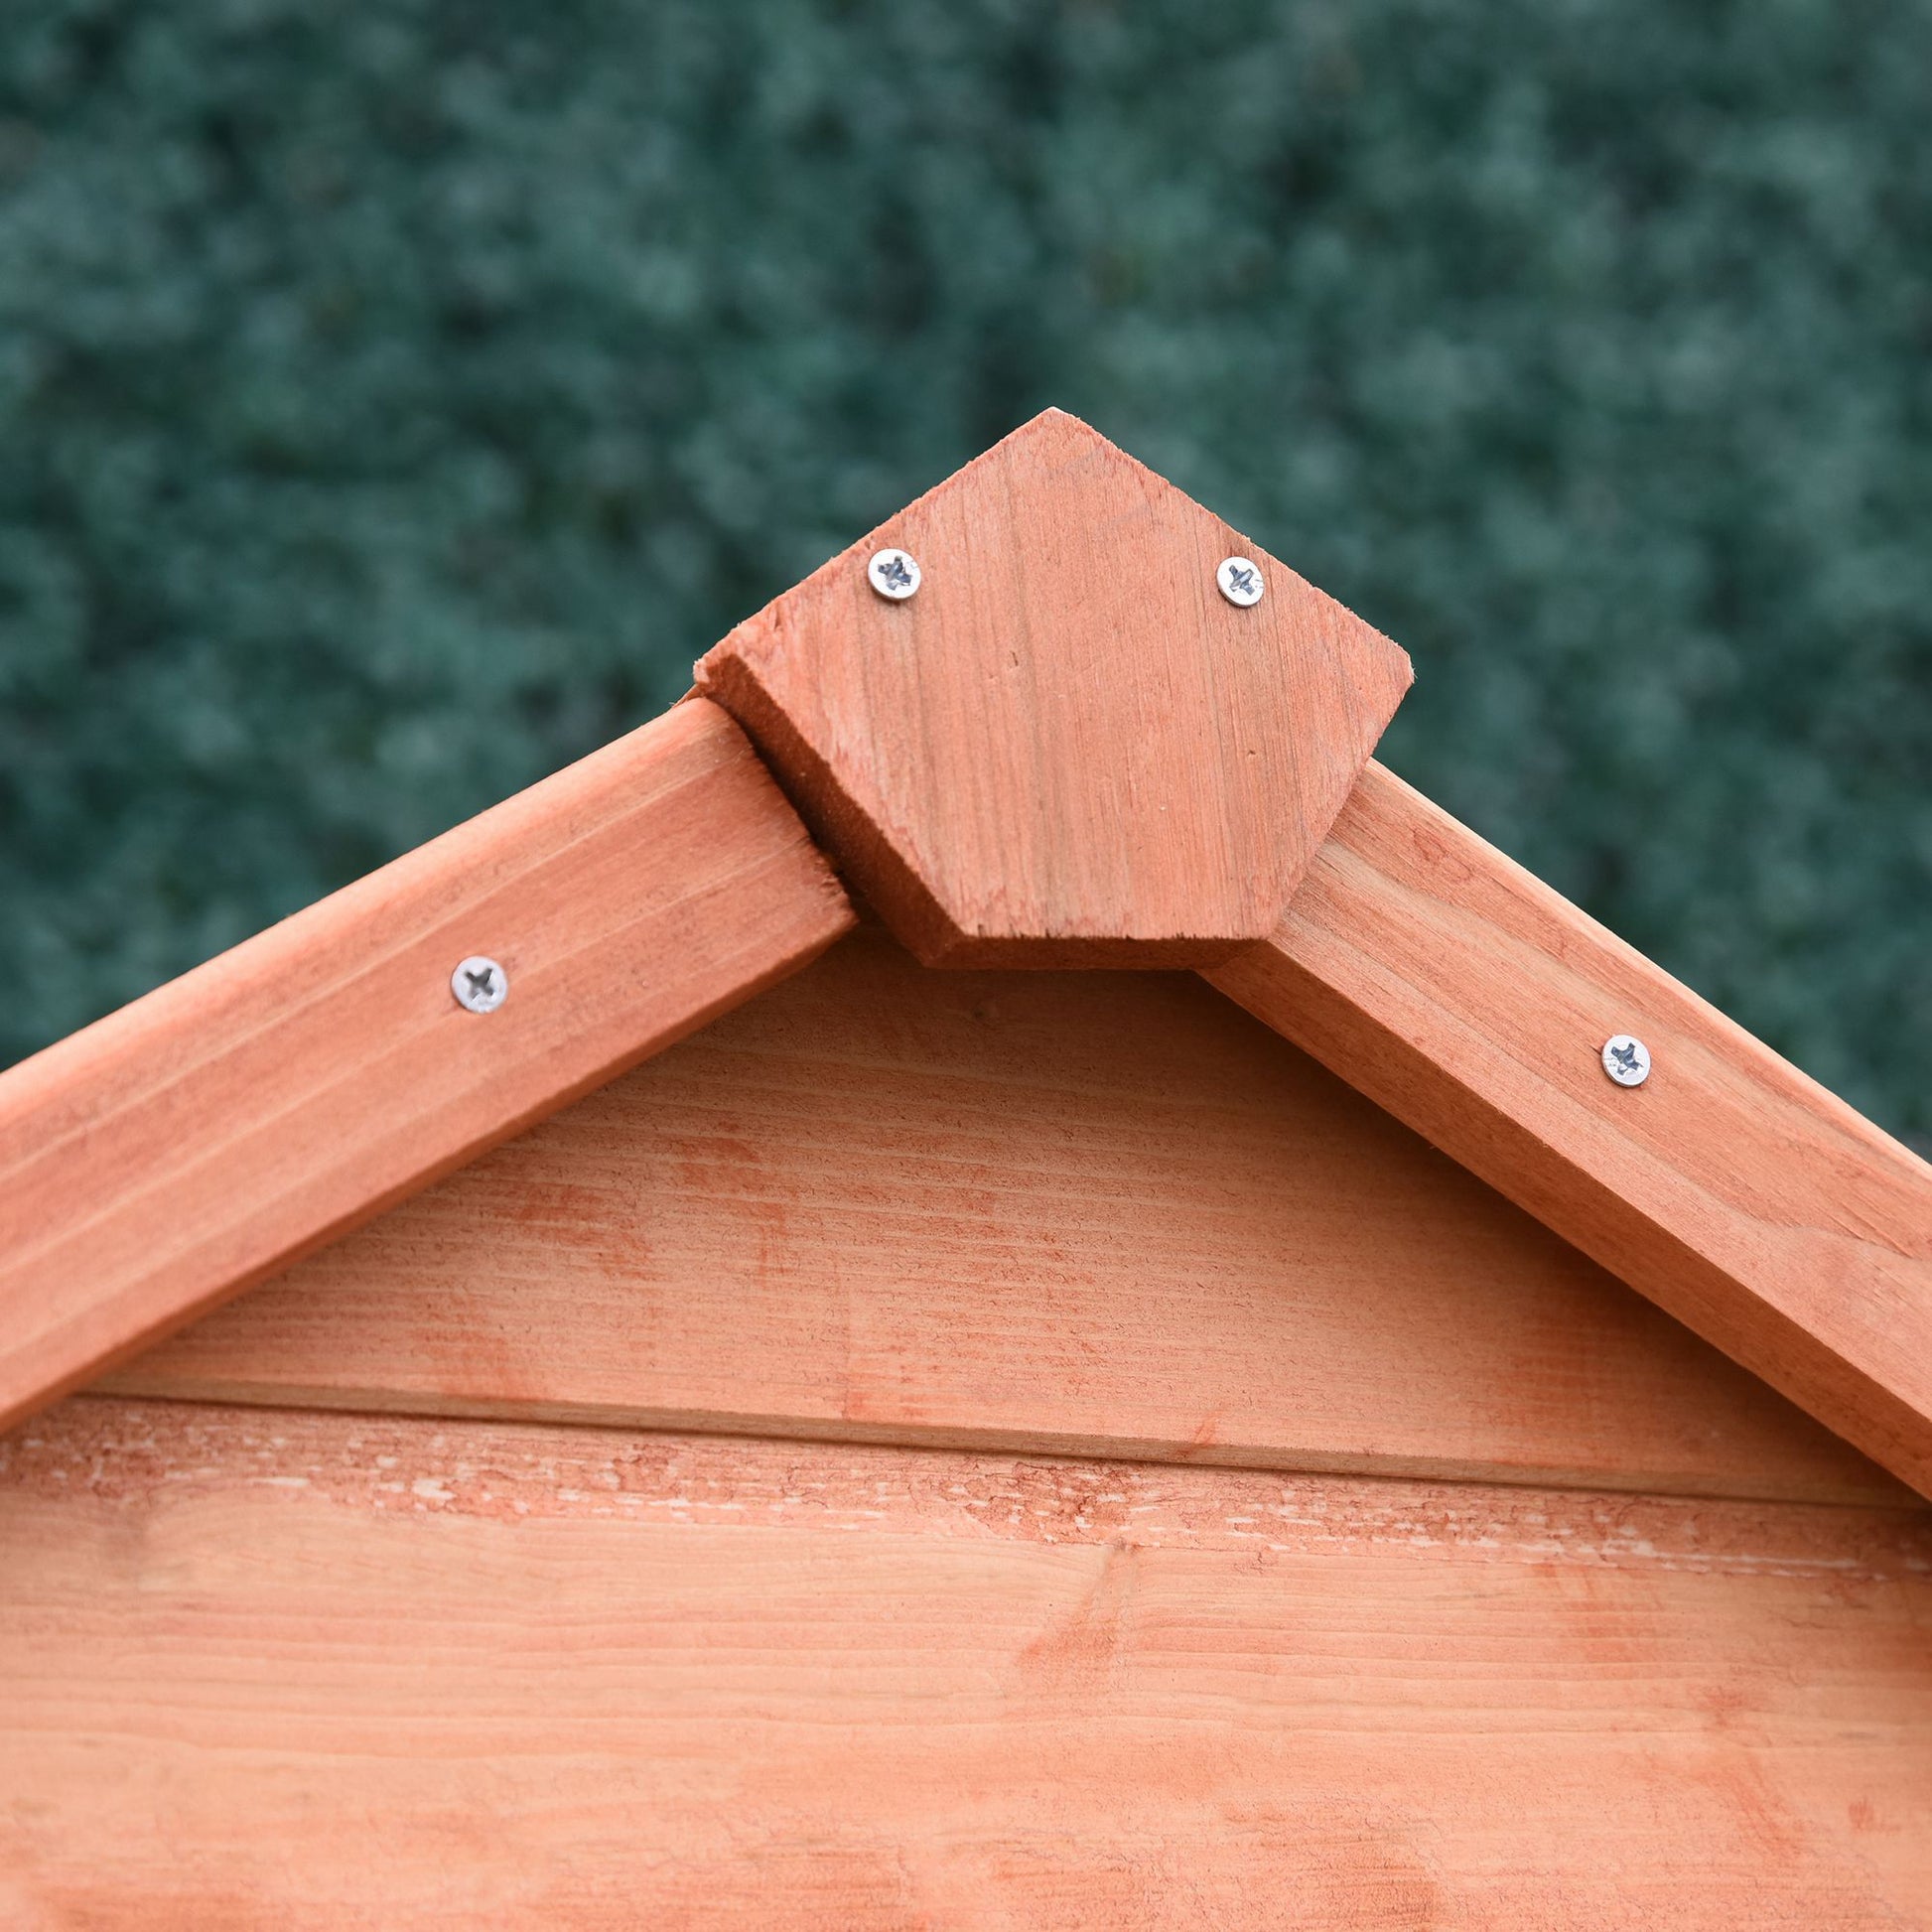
1067,748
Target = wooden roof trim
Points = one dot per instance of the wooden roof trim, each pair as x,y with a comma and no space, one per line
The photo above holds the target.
198,1140
1069,748
1472,1001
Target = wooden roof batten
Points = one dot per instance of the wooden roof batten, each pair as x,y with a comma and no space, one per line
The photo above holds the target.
1067,750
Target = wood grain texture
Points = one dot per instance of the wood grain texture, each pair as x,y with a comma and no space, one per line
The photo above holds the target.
317,1672
1472,1001
1102,1213
202,1138
1068,749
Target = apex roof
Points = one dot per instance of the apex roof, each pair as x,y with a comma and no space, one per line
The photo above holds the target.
1069,748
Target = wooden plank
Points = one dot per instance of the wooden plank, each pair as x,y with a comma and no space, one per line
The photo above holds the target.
302,1671
1472,1001
1096,1213
204,1137
1068,749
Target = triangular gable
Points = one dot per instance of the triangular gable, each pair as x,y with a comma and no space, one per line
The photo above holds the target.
1163,763
1079,1214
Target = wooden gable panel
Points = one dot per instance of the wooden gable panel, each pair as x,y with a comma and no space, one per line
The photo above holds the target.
300,1670
1092,1214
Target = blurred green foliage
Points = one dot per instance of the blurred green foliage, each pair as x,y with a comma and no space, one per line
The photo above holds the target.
394,400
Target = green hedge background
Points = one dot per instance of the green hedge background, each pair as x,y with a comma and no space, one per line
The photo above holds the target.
394,400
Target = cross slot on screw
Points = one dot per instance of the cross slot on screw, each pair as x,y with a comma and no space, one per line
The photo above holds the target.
479,985
893,574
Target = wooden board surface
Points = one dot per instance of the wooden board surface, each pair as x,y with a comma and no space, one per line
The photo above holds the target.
1067,748
313,1671
1095,1212
1471,1001
197,1140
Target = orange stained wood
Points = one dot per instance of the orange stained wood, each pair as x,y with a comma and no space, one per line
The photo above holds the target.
205,1136
281,1669
1472,1001
1100,1213
1068,749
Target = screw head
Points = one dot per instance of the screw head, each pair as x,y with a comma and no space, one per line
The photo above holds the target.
479,985
893,574
1240,579
1626,1059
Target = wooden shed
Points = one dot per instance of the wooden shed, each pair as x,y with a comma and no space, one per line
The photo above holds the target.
983,1278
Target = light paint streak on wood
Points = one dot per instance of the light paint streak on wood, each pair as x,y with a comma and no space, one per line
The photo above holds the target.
323,1670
